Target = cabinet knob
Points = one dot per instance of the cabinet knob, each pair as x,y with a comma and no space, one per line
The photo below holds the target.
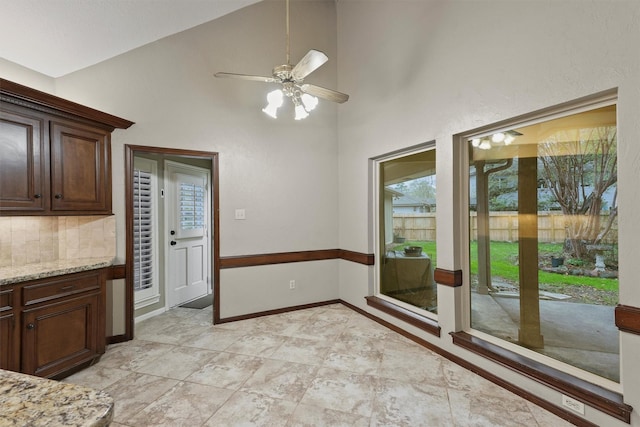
31,326
58,196
173,243
37,196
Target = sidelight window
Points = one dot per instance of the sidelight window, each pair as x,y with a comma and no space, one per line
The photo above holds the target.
145,276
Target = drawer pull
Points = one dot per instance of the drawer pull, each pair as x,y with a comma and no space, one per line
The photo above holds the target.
31,326
67,288
58,196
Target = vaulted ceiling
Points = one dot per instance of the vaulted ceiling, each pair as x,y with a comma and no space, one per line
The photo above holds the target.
58,37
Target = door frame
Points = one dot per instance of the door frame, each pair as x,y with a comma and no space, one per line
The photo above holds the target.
129,153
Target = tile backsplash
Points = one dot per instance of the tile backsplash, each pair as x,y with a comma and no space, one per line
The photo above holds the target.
28,240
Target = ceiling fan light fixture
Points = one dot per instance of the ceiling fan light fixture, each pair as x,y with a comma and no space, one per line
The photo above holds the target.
309,101
498,137
301,113
275,100
303,95
485,144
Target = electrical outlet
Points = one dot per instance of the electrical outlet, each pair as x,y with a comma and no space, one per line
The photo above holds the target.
573,404
292,284
240,214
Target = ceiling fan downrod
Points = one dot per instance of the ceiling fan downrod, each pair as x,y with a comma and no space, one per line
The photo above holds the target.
287,25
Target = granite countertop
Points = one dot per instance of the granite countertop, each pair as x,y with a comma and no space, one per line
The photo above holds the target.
9,275
32,401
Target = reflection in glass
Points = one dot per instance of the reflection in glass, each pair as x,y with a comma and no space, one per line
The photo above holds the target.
408,229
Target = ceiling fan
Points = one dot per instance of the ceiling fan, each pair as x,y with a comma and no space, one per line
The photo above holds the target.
291,77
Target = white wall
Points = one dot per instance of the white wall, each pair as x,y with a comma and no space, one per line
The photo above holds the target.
25,76
423,70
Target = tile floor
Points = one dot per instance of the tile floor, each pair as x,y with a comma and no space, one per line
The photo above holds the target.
324,366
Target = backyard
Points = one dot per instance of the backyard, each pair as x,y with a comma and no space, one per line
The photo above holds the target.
504,270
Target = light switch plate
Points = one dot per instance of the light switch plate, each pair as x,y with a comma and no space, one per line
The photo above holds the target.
240,214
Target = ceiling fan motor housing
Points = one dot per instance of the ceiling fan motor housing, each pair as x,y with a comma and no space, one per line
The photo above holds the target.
283,72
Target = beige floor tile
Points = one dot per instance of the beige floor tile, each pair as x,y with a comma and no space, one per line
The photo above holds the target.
174,333
302,350
341,391
546,418
401,404
281,380
250,409
257,344
186,404
323,366
313,416
477,409
134,354
135,392
358,360
97,376
178,363
227,370
214,338
412,366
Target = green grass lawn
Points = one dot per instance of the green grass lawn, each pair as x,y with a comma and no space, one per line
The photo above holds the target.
504,264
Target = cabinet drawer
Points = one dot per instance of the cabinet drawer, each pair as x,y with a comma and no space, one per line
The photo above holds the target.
6,300
53,289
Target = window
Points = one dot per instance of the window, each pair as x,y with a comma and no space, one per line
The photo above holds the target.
191,206
145,277
407,230
543,239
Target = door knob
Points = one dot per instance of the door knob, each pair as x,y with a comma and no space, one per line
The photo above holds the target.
173,243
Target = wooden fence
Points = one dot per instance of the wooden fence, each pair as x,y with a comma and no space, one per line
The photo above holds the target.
503,226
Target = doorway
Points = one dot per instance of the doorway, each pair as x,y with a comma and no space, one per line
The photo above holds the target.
187,229
187,219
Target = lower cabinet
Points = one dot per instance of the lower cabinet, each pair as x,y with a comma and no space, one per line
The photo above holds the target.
61,326
59,336
9,332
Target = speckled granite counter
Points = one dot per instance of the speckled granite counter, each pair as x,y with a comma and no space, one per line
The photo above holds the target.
9,275
33,401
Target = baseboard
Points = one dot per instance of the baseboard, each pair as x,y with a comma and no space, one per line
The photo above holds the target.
278,311
149,315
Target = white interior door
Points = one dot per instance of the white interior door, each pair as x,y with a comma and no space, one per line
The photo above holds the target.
188,219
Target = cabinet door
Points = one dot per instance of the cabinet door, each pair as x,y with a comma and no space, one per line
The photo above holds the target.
58,337
9,332
23,162
80,168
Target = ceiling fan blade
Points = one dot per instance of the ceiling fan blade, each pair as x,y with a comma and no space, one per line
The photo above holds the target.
248,77
328,94
307,65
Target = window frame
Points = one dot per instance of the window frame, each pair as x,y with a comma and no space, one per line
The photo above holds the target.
393,306
588,103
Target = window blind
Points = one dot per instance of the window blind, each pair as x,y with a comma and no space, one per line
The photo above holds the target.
192,209
142,231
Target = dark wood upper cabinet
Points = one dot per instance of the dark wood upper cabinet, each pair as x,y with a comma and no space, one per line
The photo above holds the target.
55,155
80,168
23,165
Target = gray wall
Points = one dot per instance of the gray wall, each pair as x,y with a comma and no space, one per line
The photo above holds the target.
168,89
424,70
